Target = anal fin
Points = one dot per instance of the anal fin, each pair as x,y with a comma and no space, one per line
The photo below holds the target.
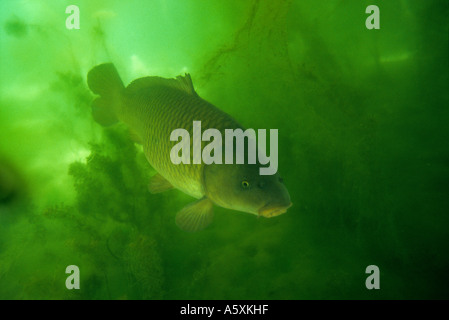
196,215
159,184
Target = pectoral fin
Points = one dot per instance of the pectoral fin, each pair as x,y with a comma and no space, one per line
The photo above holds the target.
159,184
196,215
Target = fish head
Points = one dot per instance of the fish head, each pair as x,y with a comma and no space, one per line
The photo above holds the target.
241,187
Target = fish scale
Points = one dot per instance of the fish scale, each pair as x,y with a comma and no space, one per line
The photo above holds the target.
154,112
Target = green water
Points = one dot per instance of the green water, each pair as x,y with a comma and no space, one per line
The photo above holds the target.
363,149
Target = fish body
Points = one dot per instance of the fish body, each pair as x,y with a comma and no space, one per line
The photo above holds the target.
153,107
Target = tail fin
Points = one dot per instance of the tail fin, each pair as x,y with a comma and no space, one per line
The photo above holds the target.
105,81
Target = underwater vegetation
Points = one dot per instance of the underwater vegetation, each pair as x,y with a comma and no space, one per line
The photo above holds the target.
362,118
94,232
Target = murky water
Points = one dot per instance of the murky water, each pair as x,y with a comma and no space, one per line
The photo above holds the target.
363,131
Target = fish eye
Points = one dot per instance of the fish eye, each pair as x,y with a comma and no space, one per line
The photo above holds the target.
245,184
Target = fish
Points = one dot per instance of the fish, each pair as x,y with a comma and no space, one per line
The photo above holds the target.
152,107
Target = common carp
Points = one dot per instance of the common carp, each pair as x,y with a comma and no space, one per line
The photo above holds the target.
153,107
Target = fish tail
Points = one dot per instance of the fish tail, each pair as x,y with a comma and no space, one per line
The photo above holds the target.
105,81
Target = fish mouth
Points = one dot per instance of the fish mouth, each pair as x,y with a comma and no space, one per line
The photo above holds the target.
273,210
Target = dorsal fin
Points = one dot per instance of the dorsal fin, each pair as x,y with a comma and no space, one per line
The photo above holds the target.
183,83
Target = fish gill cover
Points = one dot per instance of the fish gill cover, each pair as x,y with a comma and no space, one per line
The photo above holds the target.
362,118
